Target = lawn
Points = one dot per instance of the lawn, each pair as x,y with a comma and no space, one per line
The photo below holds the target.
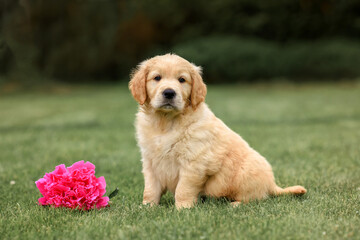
309,133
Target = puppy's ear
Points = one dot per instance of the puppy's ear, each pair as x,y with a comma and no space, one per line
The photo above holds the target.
198,91
137,84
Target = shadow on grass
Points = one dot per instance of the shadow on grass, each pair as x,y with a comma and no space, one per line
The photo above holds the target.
299,198
73,211
168,200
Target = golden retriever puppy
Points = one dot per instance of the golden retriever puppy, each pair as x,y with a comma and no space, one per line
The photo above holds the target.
185,148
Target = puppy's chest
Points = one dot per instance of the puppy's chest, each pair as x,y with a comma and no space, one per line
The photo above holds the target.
167,154
166,146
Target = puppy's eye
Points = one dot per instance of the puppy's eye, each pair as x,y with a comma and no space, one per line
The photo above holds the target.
182,80
157,78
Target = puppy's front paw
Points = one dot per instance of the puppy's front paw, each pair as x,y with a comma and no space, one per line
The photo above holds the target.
184,205
148,203
236,204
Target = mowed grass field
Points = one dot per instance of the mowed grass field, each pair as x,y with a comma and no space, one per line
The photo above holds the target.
309,133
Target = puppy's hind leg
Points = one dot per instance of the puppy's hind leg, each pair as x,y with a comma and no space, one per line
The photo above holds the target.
294,190
239,200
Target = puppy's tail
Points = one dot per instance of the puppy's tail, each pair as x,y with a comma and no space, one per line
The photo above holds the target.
294,190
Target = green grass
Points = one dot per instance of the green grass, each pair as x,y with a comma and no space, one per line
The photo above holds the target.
309,133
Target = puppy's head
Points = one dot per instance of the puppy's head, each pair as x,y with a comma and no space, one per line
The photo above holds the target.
168,83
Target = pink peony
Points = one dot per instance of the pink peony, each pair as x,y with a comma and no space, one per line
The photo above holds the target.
73,187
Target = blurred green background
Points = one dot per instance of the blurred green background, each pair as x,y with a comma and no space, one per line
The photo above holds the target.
234,40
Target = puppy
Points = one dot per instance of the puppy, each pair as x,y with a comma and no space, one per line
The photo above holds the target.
187,150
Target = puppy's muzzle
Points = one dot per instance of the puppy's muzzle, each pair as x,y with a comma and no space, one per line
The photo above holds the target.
169,93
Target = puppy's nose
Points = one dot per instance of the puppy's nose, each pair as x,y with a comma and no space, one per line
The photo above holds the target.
169,93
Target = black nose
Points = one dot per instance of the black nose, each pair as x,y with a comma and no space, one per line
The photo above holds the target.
169,93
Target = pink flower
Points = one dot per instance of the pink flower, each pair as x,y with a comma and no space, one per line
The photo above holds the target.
73,187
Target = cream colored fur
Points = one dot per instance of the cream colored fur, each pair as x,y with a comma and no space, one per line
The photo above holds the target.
185,148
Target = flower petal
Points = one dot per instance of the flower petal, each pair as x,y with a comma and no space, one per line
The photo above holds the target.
77,165
40,184
102,182
89,165
60,169
103,202
42,201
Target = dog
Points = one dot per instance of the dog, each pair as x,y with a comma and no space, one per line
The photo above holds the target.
185,148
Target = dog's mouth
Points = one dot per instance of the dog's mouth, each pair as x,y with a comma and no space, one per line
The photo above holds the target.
167,106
